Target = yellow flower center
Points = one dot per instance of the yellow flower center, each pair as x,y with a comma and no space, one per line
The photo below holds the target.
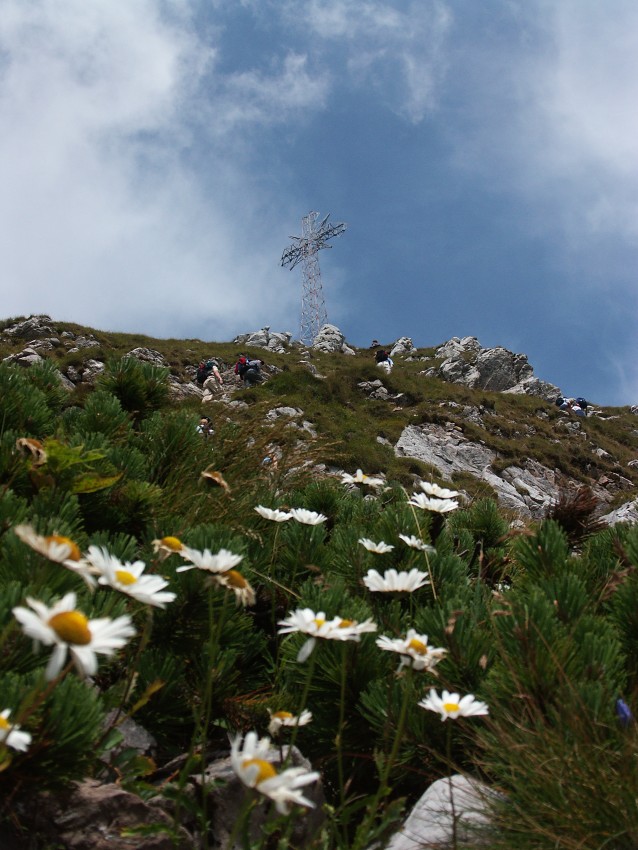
173,543
71,627
125,577
282,715
345,624
418,646
74,554
319,621
449,707
235,579
266,770
4,723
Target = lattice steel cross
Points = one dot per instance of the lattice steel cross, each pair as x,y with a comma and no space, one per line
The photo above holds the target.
304,249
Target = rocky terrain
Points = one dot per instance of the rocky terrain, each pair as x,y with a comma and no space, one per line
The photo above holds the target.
447,445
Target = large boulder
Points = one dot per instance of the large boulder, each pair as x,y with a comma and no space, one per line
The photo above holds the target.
33,326
279,342
403,346
451,811
330,339
464,361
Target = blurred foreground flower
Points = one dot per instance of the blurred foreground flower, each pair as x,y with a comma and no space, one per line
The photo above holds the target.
416,543
286,718
10,734
215,477
273,514
29,447
413,649
307,517
438,506
623,712
361,478
128,578
234,580
55,547
305,621
438,492
67,629
379,548
393,581
251,765
452,705
219,563
167,546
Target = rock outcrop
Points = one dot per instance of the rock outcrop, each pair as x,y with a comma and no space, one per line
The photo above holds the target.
265,338
330,339
465,362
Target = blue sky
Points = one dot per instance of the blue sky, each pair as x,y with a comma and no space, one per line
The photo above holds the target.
156,156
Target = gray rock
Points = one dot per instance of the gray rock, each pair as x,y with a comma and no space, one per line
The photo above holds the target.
147,355
278,342
465,362
26,357
33,326
628,512
329,339
91,370
430,824
278,412
403,346
181,390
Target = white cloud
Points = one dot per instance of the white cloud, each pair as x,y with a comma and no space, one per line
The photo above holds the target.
106,217
396,49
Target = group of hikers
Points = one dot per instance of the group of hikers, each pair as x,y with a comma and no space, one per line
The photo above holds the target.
577,406
247,369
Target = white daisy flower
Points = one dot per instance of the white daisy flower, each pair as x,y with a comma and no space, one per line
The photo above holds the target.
167,546
305,621
67,629
234,580
219,563
413,649
439,506
128,578
10,734
273,514
438,492
393,581
307,517
417,543
286,718
361,478
380,548
55,547
251,764
452,705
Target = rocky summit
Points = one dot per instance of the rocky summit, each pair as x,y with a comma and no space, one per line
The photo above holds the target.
472,416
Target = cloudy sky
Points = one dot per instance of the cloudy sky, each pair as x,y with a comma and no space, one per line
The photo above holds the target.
157,155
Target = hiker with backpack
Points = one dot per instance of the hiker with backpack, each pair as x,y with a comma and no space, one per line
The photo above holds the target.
383,359
206,370
252,373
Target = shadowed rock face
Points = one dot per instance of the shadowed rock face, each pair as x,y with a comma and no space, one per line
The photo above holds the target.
465,362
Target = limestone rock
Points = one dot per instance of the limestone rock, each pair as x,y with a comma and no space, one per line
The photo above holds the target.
278,342
26,357
92,816
528,490
403,346
429,824
465,362
33,326
147,355
628,512
330,339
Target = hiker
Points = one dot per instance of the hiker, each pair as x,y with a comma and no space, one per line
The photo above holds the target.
240,365
205,427
252,373
384,360
206,369
375,343
214,372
